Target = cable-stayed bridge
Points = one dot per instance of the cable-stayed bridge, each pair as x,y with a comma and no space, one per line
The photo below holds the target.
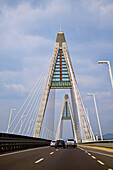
36,116
53,100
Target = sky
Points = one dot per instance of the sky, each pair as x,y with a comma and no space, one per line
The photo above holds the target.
28,30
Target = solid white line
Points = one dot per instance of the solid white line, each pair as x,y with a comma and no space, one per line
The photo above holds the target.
51,153
27,150
93,157
36,162
100,162
99,153
81,149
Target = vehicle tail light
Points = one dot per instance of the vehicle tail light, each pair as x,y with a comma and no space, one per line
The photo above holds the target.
56,143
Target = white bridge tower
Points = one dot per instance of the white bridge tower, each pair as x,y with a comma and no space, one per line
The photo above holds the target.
61,76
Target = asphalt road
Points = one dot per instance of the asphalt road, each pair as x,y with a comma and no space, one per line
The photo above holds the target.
47,158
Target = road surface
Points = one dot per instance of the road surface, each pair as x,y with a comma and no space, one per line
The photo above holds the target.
47,158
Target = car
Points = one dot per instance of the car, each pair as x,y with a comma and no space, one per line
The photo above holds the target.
71,143
60,143
52,144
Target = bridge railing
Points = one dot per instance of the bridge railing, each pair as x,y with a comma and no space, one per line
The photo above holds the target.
11,142
104,143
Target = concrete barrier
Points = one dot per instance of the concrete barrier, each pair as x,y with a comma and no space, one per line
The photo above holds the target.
97,144
11,142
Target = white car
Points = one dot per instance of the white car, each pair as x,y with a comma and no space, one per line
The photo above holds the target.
52,143
71,143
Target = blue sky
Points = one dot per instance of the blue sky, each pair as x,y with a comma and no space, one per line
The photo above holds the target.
28,30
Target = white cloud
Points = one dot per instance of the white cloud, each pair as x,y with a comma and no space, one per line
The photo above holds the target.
17,87
104,94
26,33
101,11
86,81
93,45
25,16
101,6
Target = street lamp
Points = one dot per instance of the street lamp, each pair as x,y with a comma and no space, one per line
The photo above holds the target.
22,117
43,132
92,94
29,126
91,132
47,133
110,72
9,120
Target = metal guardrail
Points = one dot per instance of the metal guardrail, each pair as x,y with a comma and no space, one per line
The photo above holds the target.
104,143
11,142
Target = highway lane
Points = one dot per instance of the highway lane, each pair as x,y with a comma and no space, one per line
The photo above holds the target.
47,158
105,155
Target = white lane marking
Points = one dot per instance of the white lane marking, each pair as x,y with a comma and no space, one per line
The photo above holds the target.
99,153
110,169
56,149
100,162
36,162
81,148
27,150
51,153
86,151
89,154
93,157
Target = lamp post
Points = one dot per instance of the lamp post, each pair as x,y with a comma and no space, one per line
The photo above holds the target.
21,123
9,120
92,94
29,126
91,132
46,133
43,132
110,72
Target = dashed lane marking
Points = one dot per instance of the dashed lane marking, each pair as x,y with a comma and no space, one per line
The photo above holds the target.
51,153
93,157
100,153
36,162
89,154
110,169
81,148
100,162
56,149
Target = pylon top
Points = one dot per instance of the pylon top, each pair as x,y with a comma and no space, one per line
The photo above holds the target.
60,38
66,96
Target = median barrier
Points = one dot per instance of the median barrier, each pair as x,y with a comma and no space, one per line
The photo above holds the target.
11,142
98,144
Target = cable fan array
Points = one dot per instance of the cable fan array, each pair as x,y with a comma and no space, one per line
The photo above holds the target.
25,119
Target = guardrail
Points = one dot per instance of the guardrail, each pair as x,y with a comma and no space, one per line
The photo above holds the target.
11,142
104,143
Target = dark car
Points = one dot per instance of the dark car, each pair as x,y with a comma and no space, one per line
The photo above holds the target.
60,143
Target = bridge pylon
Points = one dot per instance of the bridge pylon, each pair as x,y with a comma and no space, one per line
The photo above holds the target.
66,114
61,76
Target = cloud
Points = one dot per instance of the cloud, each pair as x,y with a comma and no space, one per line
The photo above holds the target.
25,17
17,87
27,36
101,11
